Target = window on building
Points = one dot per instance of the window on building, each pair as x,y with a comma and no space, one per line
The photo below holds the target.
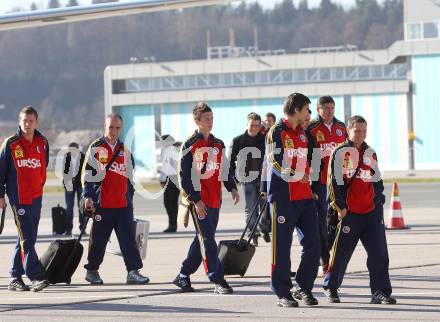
413,31
350,73
324,74
312,74
377,71
430,30
363,72
338,73
299,75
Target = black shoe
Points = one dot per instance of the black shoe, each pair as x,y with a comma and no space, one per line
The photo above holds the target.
17,284
170,229
223,288
92,276
332,295
39,285
266,237
382,298
305,296
254,240
68,233
287,301
184,283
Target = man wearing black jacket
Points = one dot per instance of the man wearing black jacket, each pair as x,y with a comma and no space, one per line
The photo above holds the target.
247,154
73,164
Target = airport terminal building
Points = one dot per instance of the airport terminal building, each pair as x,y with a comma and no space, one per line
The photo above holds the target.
396,89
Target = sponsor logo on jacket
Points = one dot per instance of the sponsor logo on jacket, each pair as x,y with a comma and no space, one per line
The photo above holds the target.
29,163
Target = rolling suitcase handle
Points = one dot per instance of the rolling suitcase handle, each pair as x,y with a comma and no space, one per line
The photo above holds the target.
78,240
263,209
254,212
2,220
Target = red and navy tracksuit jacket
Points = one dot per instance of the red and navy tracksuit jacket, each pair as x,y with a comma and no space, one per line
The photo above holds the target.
292,206
202,168
322,142
363,195
287,163
23,172
112,192
326,141
23,168
112,188
364,201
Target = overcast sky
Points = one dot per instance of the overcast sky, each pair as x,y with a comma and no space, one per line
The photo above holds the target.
7,5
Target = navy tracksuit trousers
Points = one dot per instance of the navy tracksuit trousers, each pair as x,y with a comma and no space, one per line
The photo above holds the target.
285,217
25,259
207,252
322,206
369,229
104,221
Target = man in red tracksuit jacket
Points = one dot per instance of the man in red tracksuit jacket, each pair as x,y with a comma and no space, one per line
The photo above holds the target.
324,134
23,161
203,167
109,196
356,193
288,191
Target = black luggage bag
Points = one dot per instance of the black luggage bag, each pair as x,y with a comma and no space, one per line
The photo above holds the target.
62,258
236,255
59,220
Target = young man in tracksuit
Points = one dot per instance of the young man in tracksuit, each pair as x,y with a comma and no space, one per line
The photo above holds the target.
324,134
23,161
203,166
109,197
290,195
356,193
247,155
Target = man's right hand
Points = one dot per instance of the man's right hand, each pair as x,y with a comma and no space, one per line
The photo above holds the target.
3,203
90,208
200,209
342,214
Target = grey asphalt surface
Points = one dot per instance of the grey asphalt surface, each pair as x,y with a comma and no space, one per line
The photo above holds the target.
414,271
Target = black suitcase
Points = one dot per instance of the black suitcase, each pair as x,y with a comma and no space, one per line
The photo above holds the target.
59,220
236,255
62,258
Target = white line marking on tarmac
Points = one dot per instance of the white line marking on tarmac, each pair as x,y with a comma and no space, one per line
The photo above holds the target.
46,298
423,293
271,295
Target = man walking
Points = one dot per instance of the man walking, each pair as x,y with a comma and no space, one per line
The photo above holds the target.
202,169
324,134
247,155
356,193
108,189
23,161
290,195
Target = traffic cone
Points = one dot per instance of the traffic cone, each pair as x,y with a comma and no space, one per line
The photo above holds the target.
395,219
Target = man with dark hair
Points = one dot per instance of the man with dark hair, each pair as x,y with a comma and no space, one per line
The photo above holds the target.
108,189
288,191
356,193
247,154
268,121
73,163
324,134
203,166
23,162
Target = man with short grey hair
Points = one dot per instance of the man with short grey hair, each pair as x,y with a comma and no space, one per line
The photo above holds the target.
108,191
